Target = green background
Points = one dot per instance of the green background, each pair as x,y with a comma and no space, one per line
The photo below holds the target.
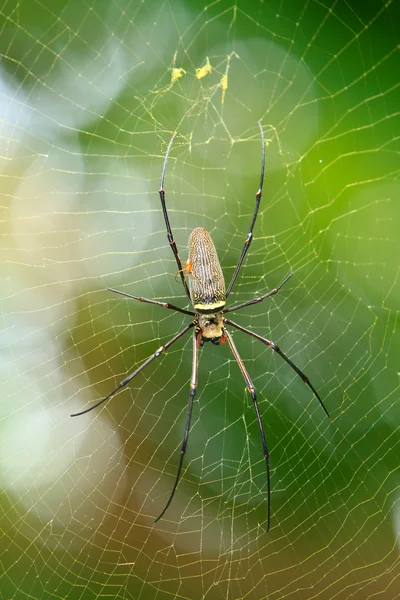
90,96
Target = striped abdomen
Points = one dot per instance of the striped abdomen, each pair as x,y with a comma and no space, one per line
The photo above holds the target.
207,285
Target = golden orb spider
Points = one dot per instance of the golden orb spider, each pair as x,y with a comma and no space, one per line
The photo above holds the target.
208,296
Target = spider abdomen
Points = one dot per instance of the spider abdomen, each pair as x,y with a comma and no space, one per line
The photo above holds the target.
207,285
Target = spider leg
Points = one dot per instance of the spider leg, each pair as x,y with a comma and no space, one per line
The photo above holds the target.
252,391
171,240
148,301
258,198
283,355
260,298
125,381
193,388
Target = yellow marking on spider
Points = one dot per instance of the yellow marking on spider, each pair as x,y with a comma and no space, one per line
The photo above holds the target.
209,307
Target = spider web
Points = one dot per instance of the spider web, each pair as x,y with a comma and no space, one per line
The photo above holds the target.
91,93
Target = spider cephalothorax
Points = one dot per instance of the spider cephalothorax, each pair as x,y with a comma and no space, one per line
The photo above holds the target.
208,296
210,328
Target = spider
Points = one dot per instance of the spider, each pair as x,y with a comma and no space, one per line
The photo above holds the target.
208,295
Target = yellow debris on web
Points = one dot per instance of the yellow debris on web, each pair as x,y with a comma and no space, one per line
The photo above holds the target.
177,74
224,86
205,70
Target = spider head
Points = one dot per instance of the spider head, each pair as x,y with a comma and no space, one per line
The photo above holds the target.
211,328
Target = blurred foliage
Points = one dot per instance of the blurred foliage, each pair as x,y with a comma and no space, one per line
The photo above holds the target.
91,94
